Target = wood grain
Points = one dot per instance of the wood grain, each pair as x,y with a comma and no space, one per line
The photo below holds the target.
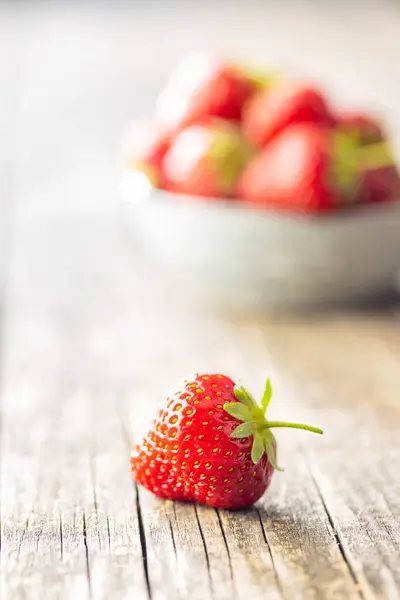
91,341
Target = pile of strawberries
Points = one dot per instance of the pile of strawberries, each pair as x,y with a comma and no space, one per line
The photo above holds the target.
221,131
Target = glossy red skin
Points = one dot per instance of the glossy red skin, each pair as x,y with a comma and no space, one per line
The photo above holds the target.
292,173
223,94
367,128
188,455
197,176
270,111
201,180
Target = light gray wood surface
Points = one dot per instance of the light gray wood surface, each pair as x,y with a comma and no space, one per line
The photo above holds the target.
90,344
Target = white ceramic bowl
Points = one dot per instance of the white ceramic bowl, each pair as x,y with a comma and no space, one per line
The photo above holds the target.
245,258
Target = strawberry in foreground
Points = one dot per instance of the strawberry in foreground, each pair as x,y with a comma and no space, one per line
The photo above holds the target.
210,443
206,159
203,86
270,111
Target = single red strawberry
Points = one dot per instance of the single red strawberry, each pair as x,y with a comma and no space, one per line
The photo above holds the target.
210,443
203,86
205,159
270,111
294,172
366,128
144,147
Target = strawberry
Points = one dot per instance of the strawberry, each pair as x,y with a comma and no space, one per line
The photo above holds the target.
309,168
294,172
210,443
203,86
205,159
381,185
380,178
368,129
380,182
144,147
272,110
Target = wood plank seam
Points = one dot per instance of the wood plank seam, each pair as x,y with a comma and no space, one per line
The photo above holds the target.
361,588
277,578
23,534
226,543
172,536
203,539
143,543
61,537
85,543
108,533
95,502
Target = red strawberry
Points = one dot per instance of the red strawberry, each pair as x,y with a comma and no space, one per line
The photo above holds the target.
294,172
381,181
380,178
144,147
309,168
269,112
200,87
368,129
210,443
205,159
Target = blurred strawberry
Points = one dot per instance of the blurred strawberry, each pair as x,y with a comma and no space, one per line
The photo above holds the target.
144,147
367,128
203,86
307,168
380,182
272,110
381,185
206,159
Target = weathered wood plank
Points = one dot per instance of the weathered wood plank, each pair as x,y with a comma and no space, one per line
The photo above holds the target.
115,548
367,526
92,422
42,516
75,509
354,475
302,539
251,562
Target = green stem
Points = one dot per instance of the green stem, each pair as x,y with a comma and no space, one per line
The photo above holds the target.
271,424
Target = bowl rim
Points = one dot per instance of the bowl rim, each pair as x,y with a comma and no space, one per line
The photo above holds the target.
158,196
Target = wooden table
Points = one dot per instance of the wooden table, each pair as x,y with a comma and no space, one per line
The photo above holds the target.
89,345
